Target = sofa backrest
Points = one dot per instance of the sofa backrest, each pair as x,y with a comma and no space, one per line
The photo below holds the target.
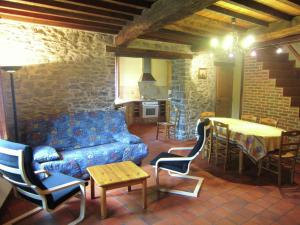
76,130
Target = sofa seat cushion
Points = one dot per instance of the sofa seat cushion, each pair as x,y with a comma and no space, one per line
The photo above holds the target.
69,167
126,137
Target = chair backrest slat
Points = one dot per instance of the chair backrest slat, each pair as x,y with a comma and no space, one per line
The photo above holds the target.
204,115
269,121
250,118
290,142
221,130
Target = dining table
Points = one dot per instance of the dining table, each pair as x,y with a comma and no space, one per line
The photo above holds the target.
253,139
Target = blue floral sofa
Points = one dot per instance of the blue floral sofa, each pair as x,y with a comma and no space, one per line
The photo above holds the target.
72,142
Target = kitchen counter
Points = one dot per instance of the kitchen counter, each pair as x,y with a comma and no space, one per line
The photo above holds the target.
135,113
124,101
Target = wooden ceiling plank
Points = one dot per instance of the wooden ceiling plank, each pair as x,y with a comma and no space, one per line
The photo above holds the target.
159,15
135,3
202,22
237,15
136,52
189,30
107,6
172,37
57,19
280,41
37,9
82,9
297,2
56,24
277,30
265,9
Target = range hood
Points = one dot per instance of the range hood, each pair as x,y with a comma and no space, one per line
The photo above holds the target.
147,76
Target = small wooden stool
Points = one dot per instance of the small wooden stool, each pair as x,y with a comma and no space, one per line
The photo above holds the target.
116,175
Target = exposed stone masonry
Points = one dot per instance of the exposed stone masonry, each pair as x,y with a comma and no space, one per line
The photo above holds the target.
190,94
66,70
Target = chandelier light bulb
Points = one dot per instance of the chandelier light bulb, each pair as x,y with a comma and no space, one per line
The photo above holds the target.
214,42
279,50
231,55
228,42
248,41
253,53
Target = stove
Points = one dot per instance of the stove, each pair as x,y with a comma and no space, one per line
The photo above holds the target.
150,109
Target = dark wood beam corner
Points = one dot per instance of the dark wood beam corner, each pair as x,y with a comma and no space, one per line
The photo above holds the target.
137,52
161,13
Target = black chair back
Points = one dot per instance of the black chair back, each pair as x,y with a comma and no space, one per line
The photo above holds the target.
203,131
16,168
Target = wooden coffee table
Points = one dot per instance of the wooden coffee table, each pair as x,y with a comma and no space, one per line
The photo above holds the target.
116,175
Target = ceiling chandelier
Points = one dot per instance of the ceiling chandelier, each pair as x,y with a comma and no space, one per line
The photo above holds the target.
232,43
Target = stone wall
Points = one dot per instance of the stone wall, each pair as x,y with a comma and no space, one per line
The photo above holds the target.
263,99
191,94
64,70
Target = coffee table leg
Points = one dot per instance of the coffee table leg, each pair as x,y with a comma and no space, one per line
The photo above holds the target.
92,188
103,203
144,193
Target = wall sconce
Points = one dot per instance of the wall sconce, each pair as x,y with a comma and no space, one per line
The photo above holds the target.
11,70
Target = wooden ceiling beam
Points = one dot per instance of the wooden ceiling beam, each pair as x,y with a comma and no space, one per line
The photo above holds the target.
193,31
280,41
161,13
136,52
277,30
81,9
57,19
297,2
56,23
135,3
237,15
211,25
264,8
107,6
165,35
49,11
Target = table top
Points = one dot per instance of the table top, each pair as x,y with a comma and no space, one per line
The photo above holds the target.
249,128
114,173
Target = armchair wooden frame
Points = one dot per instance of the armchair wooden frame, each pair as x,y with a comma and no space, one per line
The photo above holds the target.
184,174
40,194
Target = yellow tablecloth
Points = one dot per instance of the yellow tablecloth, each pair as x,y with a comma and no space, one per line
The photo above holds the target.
254,138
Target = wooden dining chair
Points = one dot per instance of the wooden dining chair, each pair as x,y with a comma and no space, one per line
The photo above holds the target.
285,157
250,118
220,146
168,127
269,121
204,115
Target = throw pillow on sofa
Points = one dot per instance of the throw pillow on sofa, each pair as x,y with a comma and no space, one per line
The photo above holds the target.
127,138
45,153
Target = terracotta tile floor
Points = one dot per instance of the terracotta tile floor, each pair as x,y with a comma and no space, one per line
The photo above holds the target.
225,198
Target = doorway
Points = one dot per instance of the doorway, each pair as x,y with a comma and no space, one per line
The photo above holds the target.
224,86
